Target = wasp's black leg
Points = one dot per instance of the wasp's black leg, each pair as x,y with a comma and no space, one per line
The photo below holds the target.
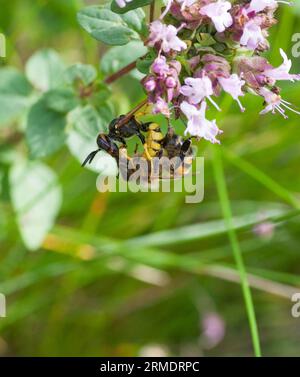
136,148
145,126
143,140
120,139
160,153
184,148
186,145
141,137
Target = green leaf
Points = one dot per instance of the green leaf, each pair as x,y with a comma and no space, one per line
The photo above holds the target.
129,6
80,148
296,7
61,100
36,211
118,57
45,131
104,25
144,64
205,39
87,123
110,28
14,94
135,20
101,94
207,49
45,70
85,73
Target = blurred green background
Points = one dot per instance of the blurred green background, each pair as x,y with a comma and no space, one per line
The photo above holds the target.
123,274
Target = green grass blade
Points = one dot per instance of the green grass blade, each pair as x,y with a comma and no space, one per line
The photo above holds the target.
200,231
262,178
225,204
165,260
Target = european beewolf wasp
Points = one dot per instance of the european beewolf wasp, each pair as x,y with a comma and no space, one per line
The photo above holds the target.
155,143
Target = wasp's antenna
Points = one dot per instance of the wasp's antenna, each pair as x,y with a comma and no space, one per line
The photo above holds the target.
90,157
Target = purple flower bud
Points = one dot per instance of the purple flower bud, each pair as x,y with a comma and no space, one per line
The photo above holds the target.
213,329
161,107
264,230
175,65
150,84
160,66
171,82
194,62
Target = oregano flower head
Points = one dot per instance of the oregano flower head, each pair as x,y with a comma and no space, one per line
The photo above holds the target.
206,47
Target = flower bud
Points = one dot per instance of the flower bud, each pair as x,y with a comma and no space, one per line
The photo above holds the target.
171,82
150,85
161,107
160,66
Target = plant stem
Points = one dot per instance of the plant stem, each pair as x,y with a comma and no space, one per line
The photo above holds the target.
227,214
152,11
120,73
131,66
226,209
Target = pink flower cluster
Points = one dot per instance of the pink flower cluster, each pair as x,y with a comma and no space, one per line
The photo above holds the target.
206,47
163,82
